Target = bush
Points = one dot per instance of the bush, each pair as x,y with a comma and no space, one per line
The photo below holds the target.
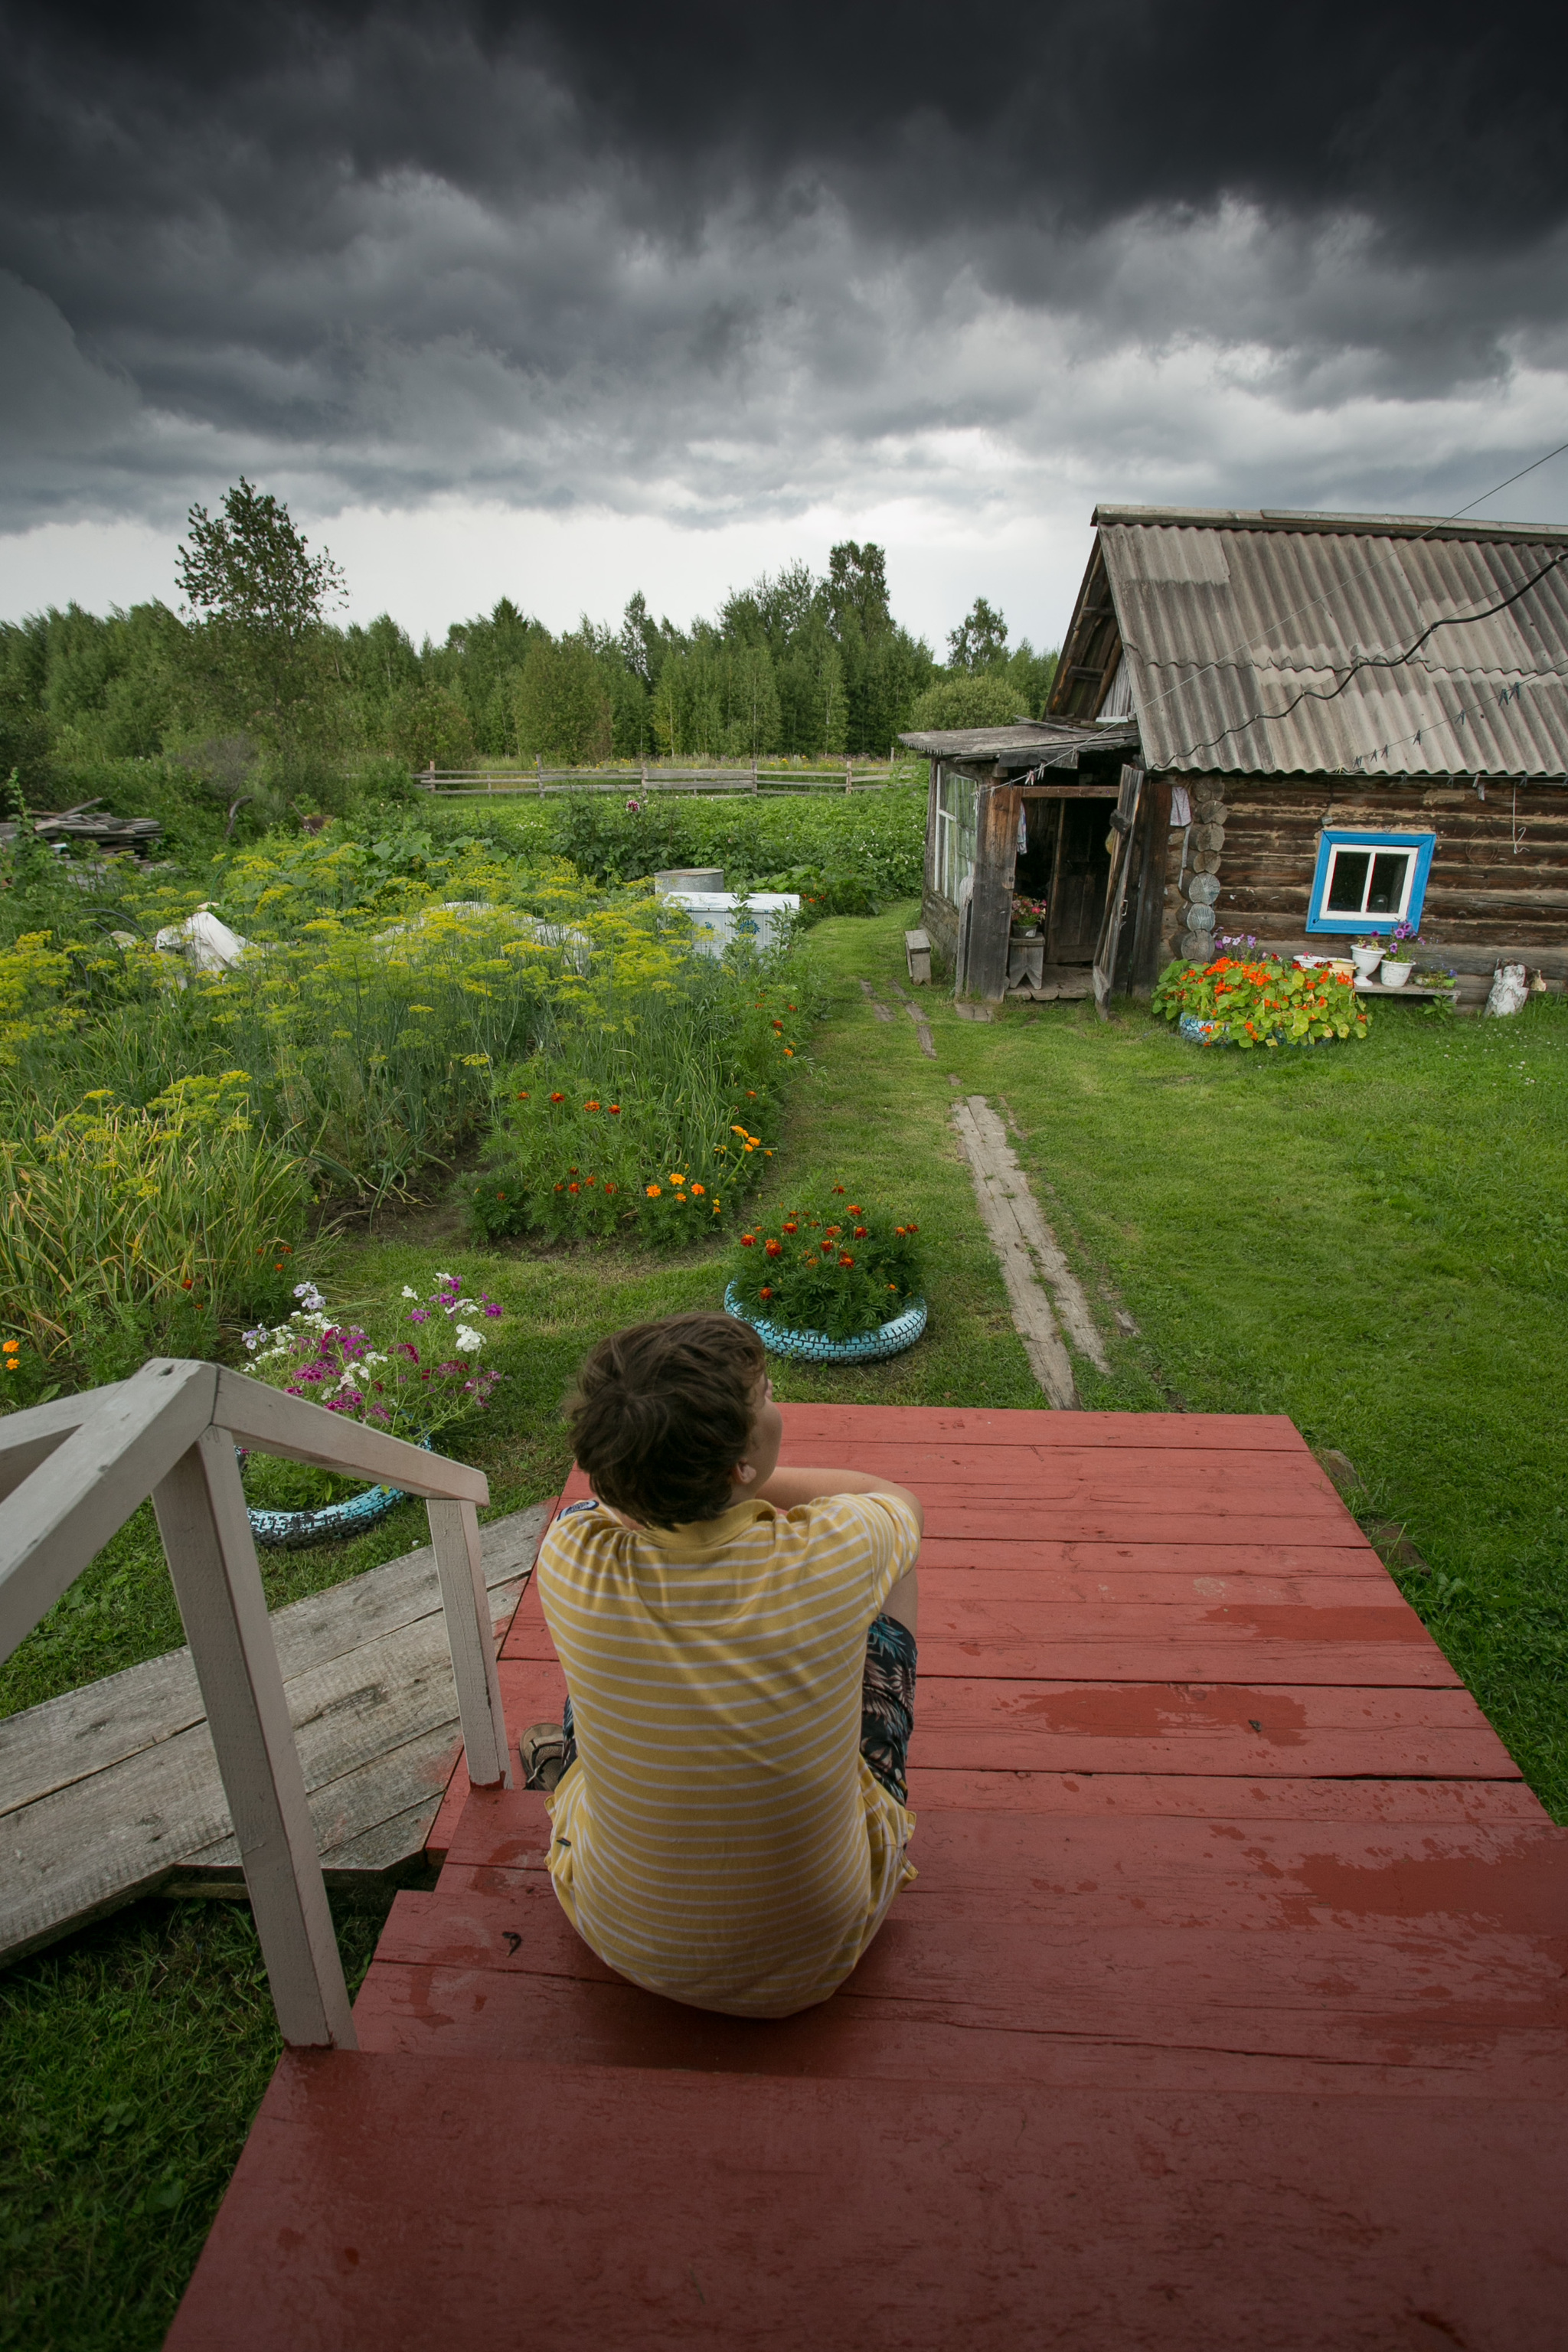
986,698
868,848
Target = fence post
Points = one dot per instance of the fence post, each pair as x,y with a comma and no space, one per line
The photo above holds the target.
849,775
455,1538
205,1532
539,771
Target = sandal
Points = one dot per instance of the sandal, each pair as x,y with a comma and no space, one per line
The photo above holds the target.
543,1751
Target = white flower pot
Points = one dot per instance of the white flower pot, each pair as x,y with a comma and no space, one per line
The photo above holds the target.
1366,960
1394,975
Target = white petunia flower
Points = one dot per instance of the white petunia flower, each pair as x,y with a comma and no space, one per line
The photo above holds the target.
468,1339
409,1294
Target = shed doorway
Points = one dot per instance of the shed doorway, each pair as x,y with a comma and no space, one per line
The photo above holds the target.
1064,866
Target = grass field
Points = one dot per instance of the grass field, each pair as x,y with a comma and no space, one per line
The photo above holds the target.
1372,1239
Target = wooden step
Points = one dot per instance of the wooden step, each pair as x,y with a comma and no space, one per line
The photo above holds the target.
419,2204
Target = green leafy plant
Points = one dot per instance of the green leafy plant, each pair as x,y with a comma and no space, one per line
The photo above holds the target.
834,1265
1261,1000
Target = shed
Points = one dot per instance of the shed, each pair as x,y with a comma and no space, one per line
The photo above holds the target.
1334,723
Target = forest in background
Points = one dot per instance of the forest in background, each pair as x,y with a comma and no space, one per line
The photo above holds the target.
256,695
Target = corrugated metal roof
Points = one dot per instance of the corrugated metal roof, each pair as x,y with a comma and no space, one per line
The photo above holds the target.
1239,628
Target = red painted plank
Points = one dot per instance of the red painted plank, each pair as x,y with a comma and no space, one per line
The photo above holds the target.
872,1424
1421,1984
991,1568
1221,1800
562,2021
1300,1730
1123,1472
1196,1640
961,1517
635,2212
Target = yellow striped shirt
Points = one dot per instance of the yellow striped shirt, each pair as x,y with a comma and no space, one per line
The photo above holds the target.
719,1839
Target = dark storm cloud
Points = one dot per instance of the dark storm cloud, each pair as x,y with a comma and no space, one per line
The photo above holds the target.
710,256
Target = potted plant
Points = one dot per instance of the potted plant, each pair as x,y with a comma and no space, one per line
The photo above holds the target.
1028,915
1259,1000
410,1389
1366,955
834,1282
1399,955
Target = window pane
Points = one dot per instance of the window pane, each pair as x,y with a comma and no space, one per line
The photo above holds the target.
1387,881
1347,881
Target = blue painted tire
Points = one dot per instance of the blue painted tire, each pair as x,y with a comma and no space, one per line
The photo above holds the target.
1215,1032
817,1348
332,1523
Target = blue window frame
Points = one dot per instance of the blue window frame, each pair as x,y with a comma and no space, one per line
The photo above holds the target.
1369,881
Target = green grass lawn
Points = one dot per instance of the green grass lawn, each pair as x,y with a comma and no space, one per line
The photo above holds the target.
1370,1238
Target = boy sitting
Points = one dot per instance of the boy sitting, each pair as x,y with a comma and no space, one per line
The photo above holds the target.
728,1783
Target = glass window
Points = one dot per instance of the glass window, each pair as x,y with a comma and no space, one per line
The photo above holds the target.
1368,881
957,801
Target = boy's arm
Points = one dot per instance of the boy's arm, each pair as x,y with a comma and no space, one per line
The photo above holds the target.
785,1488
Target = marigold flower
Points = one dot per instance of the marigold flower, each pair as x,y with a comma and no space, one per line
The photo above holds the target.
845,1261
825,1247
766,1291
561,1188
590,1106
573,1188
861,1232
557,1097
614,1111
856,1210
838,1188
698,1190
747,1240
654,1191
792,1227
572,1171
188,1284
611,1188
774,1249
790,1050
676,1177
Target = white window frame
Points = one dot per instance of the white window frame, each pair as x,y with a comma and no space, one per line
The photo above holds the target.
1416,848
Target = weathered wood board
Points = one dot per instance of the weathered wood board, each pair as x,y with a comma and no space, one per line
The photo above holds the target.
112,1791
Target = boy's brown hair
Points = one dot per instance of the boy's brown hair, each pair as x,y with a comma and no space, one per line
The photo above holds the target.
661,1415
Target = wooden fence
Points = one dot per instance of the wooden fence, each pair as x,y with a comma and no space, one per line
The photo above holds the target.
654,776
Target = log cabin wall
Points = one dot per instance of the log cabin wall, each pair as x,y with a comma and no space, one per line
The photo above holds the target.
1498,890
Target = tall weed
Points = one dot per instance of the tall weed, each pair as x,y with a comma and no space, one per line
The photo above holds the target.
127,1233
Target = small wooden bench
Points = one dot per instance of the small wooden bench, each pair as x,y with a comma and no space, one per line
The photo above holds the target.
916,956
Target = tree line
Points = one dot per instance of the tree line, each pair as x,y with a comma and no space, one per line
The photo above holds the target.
254,677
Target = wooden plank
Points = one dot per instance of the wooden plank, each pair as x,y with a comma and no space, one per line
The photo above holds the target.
1121,1474
961,1789
453,2012
30,1437
85,1731
688,2212
1053,1569
856,1425
206,1533
1107,953
1014,1219
68,1506
275,1423
1259,1730
455,1540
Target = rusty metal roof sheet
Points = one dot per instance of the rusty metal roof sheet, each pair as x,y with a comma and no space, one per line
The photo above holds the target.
1057,740
1276,643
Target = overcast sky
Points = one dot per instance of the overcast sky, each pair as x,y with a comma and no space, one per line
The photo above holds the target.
559,301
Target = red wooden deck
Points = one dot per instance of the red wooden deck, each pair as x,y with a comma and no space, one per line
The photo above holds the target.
1230,2007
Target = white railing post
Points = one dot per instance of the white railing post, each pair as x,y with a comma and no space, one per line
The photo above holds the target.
206,1530
455,1540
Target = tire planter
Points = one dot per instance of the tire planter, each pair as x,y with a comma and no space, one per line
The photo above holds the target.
328,1523
817,1348
1199,1031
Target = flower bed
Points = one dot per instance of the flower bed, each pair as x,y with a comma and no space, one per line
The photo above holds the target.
1259,1000
835,1269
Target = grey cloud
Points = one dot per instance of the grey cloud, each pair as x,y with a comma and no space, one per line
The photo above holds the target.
721,262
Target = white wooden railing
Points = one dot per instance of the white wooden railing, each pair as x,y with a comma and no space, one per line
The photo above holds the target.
72,1471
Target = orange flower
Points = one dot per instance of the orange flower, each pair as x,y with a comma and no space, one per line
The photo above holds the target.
790,1050
653,1191
774,1249
699,1190
792,1227
557,1097
845,1261
856,1210
614,1111
590,1106
748,1240
766,1291
861,1232
522,1094
573,1188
